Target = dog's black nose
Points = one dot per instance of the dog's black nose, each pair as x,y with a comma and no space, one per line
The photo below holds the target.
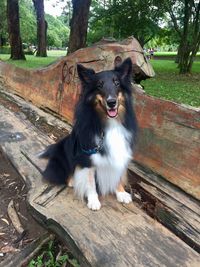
111,102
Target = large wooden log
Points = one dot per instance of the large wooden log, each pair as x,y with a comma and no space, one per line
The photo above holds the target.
118,235
169,137
169,141
160,199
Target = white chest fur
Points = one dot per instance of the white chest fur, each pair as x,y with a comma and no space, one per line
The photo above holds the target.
111,166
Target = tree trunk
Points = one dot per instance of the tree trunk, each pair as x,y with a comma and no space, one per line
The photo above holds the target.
177,59
78,25
193,54
183,64
14,30
1,40
41,29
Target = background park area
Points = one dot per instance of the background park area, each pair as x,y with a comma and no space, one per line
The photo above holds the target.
171,29
36,33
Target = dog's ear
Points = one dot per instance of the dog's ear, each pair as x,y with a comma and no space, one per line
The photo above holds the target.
125,68
85,74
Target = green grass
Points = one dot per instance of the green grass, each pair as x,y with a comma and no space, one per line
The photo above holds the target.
33,62
168,84
49,257
169,54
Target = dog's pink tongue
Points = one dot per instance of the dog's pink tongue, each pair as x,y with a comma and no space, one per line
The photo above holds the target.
112,113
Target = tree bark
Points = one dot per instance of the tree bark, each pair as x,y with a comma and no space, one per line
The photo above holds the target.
189,34
78,25
41,28
14,30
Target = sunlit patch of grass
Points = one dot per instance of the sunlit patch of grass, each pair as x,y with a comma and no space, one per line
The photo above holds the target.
168,84
33,62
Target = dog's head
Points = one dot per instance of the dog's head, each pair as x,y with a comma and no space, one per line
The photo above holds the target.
107,90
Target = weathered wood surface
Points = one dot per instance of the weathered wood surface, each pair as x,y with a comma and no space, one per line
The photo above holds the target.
117,235
169,141
169,138
158,197
172,207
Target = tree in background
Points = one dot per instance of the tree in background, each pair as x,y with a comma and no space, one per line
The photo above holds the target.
28,24
79,25
66,15
58,33
41,28
122,18
14,30
3,25
185,16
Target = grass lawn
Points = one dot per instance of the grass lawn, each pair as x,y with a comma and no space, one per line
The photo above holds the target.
169,54
33,62
168,84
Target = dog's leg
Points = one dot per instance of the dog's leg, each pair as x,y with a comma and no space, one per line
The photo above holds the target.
70,182
84,184
121,194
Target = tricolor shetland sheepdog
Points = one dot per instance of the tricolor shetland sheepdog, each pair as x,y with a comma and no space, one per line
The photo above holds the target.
95,156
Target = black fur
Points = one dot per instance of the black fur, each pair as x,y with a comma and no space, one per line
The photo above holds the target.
65,155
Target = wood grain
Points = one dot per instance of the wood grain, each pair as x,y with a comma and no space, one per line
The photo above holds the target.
117,235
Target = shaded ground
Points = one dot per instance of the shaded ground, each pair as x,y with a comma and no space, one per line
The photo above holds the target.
13,188
39,122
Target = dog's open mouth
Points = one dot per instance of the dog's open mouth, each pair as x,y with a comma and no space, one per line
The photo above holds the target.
112,113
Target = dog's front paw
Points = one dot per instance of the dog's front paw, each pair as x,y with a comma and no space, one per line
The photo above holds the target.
93,202
124,197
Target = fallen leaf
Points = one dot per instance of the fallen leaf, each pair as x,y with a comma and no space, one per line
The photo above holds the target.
6,175
6,221
11,184
7,249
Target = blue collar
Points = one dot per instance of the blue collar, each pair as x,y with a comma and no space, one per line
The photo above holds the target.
96,149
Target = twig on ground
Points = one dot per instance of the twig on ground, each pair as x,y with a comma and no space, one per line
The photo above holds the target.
14,218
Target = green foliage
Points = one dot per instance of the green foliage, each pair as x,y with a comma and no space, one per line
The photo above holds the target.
3,23
5,50
168,84
48,258
57,32
28,26
123,18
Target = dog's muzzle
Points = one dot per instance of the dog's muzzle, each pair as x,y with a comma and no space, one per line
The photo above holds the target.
111,105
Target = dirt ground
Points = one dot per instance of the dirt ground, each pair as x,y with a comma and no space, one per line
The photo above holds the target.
13,188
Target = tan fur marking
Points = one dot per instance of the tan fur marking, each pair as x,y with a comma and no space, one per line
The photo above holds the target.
122,182
99,98
91,177
99,106
70,182
120,188
121,107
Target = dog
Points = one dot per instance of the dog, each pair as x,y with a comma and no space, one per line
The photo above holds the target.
95,155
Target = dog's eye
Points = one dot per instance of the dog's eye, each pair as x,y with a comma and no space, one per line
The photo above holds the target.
100,84
116,82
